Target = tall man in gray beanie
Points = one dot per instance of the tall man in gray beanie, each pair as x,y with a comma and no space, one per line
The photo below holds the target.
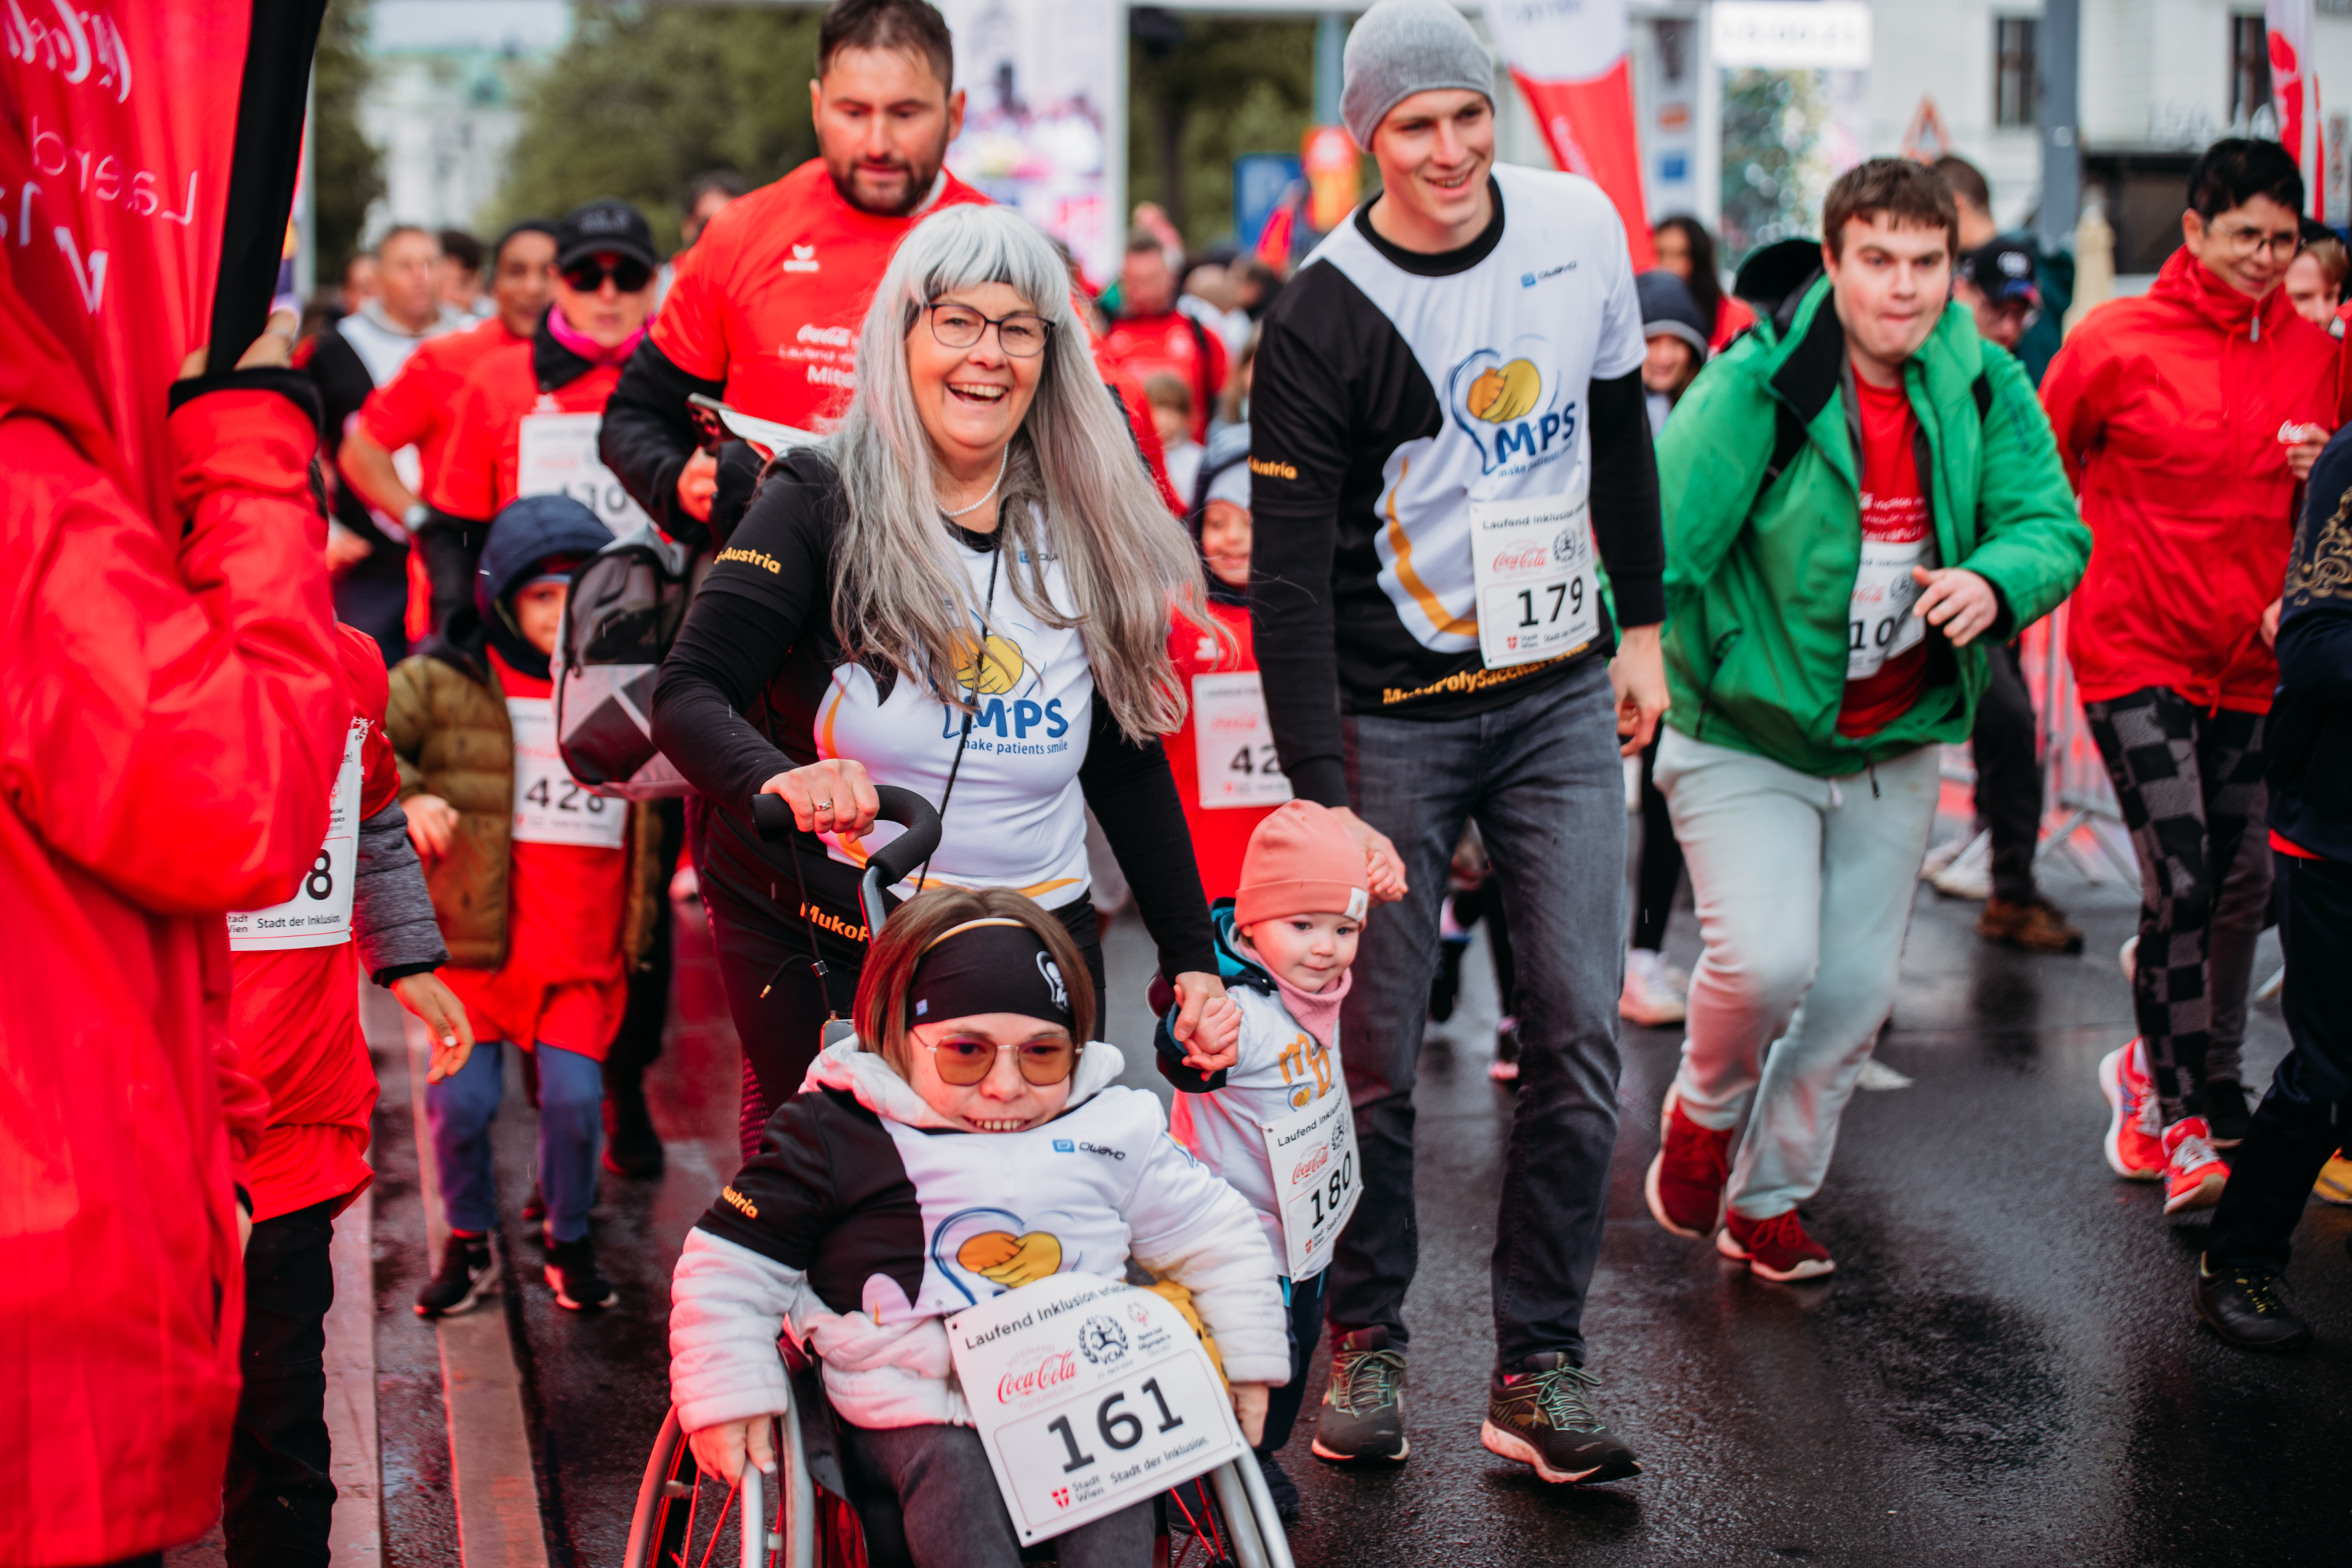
1447,425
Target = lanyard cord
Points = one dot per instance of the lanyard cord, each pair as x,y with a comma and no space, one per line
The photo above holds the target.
979,672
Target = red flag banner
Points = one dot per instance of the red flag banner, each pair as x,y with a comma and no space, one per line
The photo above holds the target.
1568,59
2295,97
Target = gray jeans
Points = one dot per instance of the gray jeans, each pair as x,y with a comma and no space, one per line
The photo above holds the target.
1542,778
949,1514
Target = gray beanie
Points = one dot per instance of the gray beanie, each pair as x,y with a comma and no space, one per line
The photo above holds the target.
1399,48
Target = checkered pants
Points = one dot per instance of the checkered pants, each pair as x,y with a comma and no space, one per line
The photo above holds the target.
2188,781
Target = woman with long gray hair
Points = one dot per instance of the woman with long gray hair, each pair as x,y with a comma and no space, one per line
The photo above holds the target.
965,590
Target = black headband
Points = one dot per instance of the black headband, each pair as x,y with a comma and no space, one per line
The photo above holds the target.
995,965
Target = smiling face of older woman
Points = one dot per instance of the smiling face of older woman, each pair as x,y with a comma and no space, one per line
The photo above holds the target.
971,398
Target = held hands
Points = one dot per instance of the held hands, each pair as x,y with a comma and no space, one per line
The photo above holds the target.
1637,676
697,482
720,1450
1384,867
1208,1022
1249,1409
833,796
1958,600
2303,443
434,1005
432,825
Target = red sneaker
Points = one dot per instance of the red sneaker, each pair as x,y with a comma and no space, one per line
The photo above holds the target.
2193,1175
1685,1183
1775,1248
2134,1151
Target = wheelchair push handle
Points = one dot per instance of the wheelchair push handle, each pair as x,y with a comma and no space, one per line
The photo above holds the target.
896,860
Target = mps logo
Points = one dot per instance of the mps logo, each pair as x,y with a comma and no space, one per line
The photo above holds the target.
1501,403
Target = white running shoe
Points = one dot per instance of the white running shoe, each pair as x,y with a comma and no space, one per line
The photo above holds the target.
1655,992
1969,875
2128,960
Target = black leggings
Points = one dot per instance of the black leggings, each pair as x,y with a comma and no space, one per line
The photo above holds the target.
2186,780
1661,870
760,949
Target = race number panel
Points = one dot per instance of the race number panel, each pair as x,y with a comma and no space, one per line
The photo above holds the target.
1312,1153
1089,1396
1538,597
319,912
551,806
557,457
1233,742
1881,625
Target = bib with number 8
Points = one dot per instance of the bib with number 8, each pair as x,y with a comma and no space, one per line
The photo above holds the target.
319,912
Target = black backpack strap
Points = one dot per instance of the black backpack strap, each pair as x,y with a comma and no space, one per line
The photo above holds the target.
1788,440
1981,390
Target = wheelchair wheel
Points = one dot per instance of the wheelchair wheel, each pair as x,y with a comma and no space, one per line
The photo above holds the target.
684,1519
1223,1520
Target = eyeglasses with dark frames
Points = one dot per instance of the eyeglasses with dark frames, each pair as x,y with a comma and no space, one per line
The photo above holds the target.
1023,334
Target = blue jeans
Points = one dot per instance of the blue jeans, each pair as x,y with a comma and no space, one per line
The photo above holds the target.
460,1109
1542,778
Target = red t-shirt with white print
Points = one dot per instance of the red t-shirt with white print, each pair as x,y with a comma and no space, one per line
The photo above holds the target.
1886,654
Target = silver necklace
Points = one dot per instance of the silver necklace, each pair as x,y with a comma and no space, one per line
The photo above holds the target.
991,490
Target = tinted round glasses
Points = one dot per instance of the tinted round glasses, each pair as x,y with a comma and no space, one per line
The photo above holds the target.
965,1062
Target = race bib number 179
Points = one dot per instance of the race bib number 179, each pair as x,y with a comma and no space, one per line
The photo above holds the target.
1538,597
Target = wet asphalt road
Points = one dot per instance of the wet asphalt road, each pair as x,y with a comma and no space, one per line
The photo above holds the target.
2004,1369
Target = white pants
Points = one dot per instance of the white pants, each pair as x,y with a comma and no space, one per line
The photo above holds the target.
1804,888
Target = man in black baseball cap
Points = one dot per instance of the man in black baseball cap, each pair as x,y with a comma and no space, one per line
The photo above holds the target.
1995,282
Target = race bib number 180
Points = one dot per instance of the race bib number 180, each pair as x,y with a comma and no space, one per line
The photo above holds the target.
1312,1153
1538,597
1089,1396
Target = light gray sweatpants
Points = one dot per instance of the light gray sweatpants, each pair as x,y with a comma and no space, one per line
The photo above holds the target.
1804,888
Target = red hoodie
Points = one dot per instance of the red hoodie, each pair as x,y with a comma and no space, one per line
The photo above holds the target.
2168,410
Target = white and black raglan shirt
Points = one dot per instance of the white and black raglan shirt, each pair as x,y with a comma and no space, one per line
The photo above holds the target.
1376,423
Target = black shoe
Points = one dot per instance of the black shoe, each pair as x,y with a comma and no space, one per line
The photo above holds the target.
572,1275
2226,1114
469,1270
1363,1415
1545,1416
2247,1307
1446,989
534,1208
1280,1488
632,1147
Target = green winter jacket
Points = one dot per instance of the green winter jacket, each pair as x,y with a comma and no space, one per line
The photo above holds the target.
1759,585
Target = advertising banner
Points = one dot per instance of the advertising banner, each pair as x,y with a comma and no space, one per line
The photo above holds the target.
1568,59
1040,115
2295,97
155,138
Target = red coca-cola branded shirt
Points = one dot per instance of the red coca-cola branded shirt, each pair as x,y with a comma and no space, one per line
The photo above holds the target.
1882,630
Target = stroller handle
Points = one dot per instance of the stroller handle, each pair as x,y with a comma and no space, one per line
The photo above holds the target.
894,862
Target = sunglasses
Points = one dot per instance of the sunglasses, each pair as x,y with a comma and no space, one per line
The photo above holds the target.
627,273
963,1063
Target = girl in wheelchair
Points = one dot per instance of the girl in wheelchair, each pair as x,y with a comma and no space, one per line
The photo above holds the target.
969,1140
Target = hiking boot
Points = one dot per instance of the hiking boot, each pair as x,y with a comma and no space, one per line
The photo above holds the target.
2247,1308
571,1273
2133,1143
1775,1249
1363,1405
1657,993
1687,1179
2036,925
632,1147
1545,1415
2193,1175
2228,1116
468,1271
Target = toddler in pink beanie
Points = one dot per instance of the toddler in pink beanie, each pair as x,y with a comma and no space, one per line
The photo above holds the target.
1276,1124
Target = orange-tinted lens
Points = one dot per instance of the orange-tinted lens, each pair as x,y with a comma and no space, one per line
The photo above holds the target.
963,1062
1047,1061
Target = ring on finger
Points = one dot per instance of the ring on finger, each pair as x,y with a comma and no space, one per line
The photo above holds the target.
825,805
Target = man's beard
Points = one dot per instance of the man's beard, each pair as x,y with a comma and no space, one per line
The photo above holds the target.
920,178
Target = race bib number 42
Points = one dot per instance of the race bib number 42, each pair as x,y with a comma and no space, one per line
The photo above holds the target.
1234,743
1538,597
319,912
557,456
551,806
1089,1395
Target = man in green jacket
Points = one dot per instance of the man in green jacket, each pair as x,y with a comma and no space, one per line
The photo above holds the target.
1859,497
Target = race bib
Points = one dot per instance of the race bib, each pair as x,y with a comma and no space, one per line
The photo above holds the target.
319,912
1538,597
1313,1156
557,457
1089,1396
1881,624
551,806
1235,744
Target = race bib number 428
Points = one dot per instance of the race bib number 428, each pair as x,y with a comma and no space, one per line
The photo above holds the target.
1089,1395
551,806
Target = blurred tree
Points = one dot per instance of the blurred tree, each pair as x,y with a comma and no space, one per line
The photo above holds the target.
1199,93
642,98
348,173
1776,167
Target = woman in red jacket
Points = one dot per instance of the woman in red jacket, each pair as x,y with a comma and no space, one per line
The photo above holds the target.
2184,418
171,718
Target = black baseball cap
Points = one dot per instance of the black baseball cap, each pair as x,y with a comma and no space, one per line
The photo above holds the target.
605,226
2001,270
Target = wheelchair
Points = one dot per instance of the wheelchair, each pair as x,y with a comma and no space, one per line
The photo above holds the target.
684,1519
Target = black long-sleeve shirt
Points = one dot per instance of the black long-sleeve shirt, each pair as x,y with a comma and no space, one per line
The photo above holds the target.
755,685
1393,391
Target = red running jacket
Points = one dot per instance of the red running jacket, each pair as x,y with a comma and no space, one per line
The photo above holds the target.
171,718
2168,409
